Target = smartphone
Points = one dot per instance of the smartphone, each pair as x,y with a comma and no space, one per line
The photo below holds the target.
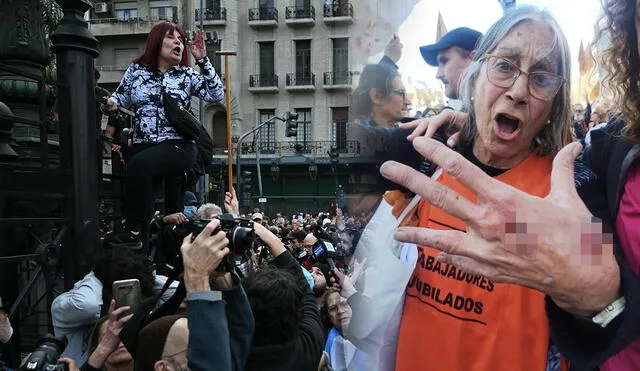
127,294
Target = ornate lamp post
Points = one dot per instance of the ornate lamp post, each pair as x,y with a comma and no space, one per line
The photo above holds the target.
75,49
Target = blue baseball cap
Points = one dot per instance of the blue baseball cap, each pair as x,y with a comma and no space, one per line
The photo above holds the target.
462,37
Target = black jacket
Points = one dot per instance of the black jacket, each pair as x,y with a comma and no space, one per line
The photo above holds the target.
303,353
584,343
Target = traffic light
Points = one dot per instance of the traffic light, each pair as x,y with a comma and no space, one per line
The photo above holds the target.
292,124
292,129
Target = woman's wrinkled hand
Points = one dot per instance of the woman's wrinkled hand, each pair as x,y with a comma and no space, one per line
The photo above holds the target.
428,126
549,244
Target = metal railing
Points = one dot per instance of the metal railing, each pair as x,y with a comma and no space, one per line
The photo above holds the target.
301,79
263,81
315,148
263,14
337,78
112,68
118,20
298,12
338,10
216,14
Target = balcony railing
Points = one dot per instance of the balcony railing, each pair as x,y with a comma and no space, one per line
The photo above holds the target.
301,79
315,148
218,14
337,78
118,20
263,81
338,10
263,14
299,12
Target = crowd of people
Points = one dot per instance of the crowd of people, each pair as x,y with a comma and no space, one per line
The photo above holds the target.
509,242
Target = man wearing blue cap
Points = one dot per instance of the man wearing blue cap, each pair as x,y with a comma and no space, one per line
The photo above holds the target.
452,54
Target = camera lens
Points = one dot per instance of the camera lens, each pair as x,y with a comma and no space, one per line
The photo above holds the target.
240,239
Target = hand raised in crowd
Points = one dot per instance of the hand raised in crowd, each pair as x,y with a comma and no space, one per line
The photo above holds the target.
548,244
175,219
197,46
428,126
111,339
202,255
110,106
393,49
271,240
343,283
231,202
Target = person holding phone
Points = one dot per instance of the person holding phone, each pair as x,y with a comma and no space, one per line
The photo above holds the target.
75,312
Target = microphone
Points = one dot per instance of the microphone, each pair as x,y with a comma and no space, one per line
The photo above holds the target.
126,131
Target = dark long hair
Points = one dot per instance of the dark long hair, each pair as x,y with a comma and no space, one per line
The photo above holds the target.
153,45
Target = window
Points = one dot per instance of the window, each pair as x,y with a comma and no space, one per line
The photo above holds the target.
306,4
268,132
304,126
213,4
216,60
266,4
303,62
340,60
124,56
126,14
165,12
267,64
339,117
125,11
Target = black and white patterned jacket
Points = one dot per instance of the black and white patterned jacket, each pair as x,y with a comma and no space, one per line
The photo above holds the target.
141,91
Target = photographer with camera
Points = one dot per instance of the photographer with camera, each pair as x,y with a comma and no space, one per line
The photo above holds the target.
288,331
211,337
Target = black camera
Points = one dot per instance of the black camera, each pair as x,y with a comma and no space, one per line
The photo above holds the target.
239,231
46,355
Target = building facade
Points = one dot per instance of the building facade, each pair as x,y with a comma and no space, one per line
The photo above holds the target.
292,56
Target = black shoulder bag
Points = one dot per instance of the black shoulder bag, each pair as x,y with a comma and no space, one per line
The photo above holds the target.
185,123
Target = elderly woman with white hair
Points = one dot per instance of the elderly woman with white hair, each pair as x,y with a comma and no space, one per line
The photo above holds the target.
517,95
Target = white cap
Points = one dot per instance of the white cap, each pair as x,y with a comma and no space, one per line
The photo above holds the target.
256,216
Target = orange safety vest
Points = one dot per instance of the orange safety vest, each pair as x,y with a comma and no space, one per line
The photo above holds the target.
454,321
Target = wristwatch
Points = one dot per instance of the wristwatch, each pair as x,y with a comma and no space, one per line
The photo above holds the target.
610,312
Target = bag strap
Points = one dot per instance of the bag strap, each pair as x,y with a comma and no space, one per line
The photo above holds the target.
414,202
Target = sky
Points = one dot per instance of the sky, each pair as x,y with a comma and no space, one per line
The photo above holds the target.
576,17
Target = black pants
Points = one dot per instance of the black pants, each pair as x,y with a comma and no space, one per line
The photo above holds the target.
148,165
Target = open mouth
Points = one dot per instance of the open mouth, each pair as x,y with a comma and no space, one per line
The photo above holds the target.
177,50
507,127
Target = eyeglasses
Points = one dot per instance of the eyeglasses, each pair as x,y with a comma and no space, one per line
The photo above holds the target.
503,73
